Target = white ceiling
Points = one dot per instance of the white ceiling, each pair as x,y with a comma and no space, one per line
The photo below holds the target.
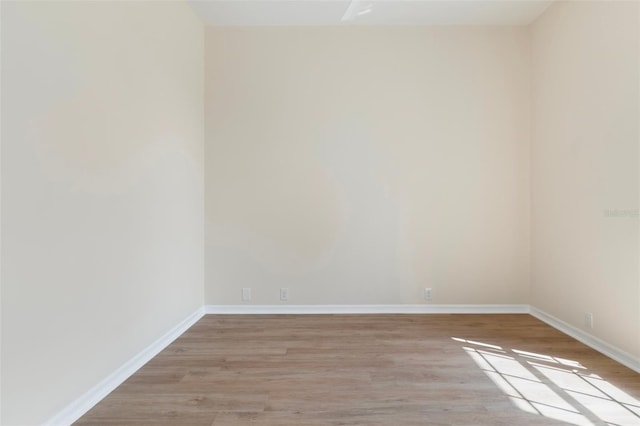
366,12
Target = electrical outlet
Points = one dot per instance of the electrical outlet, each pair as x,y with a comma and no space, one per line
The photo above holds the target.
246,294
588,320
427,294
284,294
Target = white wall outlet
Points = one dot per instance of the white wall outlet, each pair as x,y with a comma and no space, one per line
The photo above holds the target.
246,294
284,294
588,320
427,294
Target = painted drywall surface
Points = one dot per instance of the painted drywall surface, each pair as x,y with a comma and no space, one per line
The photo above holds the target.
359,166
585,167
102,191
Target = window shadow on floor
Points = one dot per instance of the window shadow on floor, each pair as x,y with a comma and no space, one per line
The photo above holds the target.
554,387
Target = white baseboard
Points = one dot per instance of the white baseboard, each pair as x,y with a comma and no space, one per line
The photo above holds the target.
80,406
366,309
624,358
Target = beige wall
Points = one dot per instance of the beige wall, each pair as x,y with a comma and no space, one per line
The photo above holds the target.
585,163
358,166
354,166
102,191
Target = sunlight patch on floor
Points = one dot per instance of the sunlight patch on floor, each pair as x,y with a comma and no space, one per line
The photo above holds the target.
553,387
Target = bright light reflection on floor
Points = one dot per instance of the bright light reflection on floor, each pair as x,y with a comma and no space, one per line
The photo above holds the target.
553,387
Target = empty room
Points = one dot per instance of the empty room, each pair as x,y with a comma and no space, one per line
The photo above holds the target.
320,212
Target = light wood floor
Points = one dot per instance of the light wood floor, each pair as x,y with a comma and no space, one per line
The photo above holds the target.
374,370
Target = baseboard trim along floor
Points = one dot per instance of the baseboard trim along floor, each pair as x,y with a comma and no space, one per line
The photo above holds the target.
593,342
80,406
365,309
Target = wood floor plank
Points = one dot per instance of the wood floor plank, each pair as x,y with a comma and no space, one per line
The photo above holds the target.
374,370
